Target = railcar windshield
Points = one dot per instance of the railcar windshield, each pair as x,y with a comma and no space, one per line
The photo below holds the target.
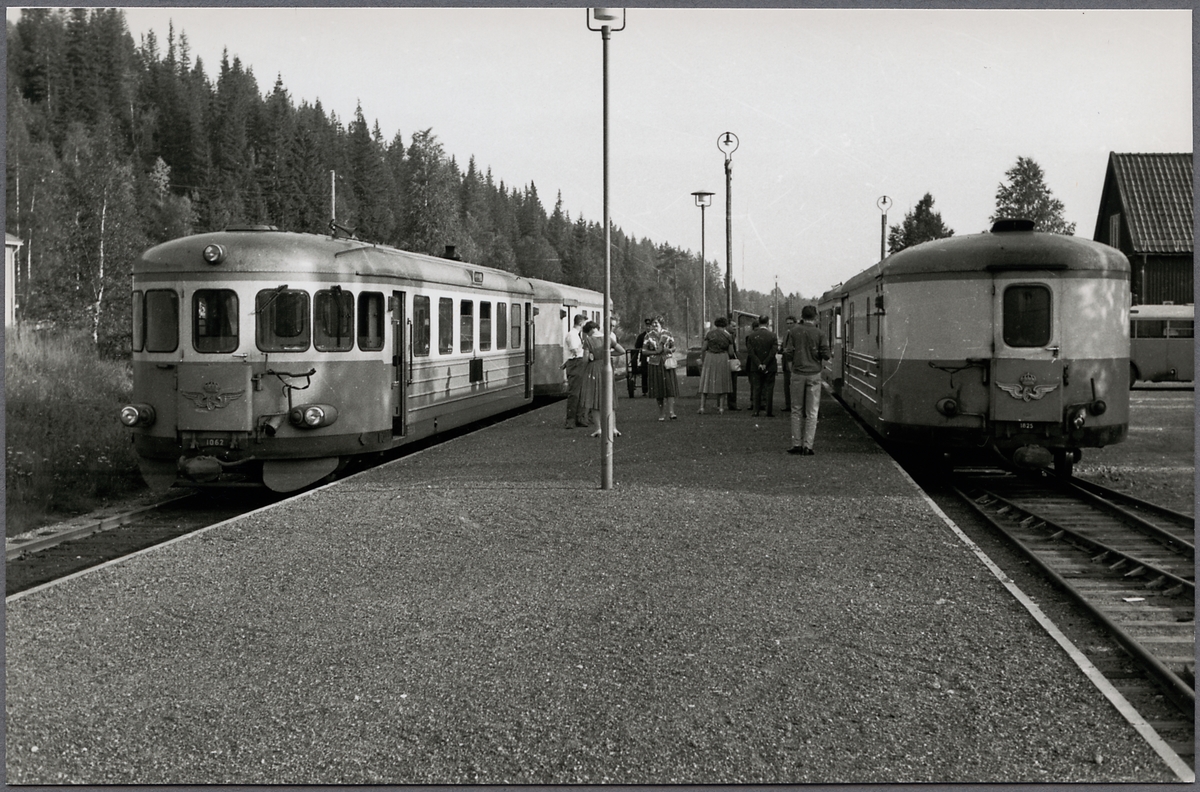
215,320
333,320
162,320
1027,316
282,320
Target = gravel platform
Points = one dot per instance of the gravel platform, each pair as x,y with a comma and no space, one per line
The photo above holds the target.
483,613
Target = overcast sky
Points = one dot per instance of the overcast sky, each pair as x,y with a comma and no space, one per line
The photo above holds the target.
833,108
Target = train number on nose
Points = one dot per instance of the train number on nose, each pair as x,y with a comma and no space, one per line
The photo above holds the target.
1025,425
214,441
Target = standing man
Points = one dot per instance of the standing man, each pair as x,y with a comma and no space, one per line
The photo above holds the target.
761,346
807,348
789,323
639,357
574,362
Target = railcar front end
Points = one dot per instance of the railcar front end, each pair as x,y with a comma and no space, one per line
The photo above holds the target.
1013,341
272,358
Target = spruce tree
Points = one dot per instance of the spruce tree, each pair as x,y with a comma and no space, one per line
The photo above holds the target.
1027,197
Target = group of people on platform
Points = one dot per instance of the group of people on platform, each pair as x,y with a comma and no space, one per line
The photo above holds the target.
803,349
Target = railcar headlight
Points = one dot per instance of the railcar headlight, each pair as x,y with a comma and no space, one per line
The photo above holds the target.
1097,407
947,407
1079,418
213,254
137,415
312,416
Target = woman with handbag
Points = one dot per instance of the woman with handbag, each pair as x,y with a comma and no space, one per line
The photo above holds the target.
715,377
659,354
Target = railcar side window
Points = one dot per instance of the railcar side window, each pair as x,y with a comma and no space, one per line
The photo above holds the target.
1026,316
215,320
466,326
485,326
333,320
282,324
162,320
516,325
421,326
445,326
139,319
501,325
370,321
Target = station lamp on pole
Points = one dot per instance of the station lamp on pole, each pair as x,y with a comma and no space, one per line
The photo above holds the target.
703,200
604,21
728,143
884,203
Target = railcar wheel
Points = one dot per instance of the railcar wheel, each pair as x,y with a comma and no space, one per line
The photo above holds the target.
1064,462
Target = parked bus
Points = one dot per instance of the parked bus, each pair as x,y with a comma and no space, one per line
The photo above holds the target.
1161,346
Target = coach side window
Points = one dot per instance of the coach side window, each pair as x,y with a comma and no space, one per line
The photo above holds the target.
466,326
445,326
516,325
1181,328
1026,316
485,326
370,321
501,325
421,326
162,320
215,320
282,324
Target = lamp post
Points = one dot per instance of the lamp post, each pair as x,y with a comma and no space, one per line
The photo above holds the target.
884,203
604,18
703,200
728,143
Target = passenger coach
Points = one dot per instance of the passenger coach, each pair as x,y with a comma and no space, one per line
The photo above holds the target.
1013,340
269,357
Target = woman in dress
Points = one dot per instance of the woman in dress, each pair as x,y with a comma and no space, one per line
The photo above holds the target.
715,378
658,347
596,346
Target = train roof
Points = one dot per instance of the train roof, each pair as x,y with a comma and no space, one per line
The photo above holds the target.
548,291
270,252
995,251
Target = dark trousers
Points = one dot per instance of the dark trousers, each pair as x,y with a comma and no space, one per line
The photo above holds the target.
575,412
645,376
787,388
762,390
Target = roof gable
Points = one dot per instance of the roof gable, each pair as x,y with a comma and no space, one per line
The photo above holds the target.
1156,196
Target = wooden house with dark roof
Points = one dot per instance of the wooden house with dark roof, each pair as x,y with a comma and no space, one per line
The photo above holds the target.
1146,213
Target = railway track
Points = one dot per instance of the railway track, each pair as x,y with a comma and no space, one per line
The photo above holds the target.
1129,564
64,550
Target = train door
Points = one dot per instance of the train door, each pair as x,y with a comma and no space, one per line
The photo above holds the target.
1027,384
401,349
528,348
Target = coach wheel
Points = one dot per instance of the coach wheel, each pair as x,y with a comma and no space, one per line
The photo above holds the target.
1133,375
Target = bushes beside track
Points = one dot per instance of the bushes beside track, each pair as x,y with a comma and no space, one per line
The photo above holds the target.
66,451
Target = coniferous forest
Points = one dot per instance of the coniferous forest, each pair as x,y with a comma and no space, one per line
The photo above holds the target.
115,145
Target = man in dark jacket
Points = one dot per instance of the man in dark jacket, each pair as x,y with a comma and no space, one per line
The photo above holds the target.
761,346
639,357
807,349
